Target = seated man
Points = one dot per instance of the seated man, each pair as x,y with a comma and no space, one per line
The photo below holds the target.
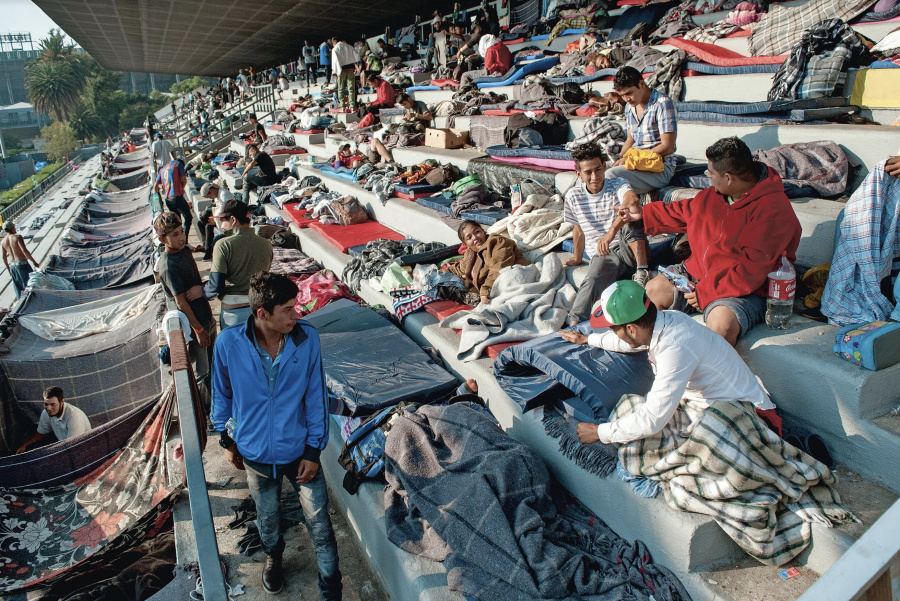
467,59
386,51
738,230
267,175
497,60
63,419
238,256
616,252
385,95
417,114
651,121
219,196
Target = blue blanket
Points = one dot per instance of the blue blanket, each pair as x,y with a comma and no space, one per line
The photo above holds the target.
519,73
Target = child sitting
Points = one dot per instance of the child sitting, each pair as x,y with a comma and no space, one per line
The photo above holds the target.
485,257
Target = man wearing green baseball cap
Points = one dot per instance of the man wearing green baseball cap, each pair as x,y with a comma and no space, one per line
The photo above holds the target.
691,362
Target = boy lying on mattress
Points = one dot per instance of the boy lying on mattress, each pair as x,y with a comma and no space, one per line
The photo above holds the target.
481,264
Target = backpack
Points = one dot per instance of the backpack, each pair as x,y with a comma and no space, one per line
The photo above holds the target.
347,211
363,453
285,239
442,175
470,180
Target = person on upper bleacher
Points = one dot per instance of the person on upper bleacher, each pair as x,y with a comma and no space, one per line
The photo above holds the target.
467,58
160,152
738,229
236,257
616,249
325,59
309,63
267,175
345,61
258,130
437,45
497,60
484,258
385,95
652,124
417,114
63,419
386,50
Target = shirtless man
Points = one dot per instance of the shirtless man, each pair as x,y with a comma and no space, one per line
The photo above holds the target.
14,245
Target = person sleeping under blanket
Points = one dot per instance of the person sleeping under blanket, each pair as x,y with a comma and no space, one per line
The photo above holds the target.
481,264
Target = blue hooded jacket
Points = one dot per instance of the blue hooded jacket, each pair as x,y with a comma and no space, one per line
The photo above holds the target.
275,428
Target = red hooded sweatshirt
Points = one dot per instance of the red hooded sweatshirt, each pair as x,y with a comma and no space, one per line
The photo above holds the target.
733,247
497,59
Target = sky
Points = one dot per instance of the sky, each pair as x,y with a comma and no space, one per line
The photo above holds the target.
21,16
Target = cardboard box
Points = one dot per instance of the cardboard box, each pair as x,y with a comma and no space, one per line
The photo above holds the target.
446,138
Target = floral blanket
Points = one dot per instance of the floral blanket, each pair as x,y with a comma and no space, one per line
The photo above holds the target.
320,289
47,533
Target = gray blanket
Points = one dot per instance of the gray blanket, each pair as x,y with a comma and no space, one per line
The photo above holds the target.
527,301
463,492
822,166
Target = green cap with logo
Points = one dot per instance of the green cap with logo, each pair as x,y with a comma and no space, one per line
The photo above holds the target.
622,302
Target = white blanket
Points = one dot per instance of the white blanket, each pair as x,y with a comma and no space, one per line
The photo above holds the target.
527,301
97,316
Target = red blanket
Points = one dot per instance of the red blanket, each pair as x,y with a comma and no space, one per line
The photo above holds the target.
722,57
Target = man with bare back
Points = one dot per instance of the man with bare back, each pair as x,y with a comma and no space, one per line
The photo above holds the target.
13,246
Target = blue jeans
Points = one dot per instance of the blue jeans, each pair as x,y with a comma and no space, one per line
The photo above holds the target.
313,495
19,271
177,204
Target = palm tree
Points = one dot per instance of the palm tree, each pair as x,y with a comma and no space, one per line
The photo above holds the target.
55,80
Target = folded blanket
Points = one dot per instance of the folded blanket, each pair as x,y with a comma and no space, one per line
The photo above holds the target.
536,229
527,301
723,461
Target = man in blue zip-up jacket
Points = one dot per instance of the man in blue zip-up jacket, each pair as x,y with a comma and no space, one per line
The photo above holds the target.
269,403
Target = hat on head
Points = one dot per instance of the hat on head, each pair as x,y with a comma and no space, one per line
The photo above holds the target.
622,302
233,208
8,226
205,188
166,223
157,136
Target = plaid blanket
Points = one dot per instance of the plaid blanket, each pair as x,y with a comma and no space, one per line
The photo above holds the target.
667,78
782,27
711,33
868,243
816,61
723,461
605,131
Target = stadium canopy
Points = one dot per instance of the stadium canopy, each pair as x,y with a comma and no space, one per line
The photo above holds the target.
218,37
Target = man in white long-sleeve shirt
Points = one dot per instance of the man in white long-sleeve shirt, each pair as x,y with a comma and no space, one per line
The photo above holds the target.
690,362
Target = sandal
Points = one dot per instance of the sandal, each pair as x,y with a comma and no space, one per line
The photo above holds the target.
809,443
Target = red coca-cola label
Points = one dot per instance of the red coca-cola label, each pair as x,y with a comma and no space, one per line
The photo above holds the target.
782,289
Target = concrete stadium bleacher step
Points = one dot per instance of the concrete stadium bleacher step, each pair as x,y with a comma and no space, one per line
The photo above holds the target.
689,544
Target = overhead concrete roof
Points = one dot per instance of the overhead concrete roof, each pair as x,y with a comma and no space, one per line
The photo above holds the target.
218,37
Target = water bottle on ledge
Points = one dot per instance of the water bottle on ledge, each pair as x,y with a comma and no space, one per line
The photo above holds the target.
780,302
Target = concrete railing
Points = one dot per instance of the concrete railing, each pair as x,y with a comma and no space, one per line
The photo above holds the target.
16,208
201,513
866,571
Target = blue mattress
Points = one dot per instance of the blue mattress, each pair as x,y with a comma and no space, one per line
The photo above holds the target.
736,70
388,369
886,64
748,108
545,36
485,216
594,76
422,88
519,73
342,172
530,57
535,152
417,189
798,116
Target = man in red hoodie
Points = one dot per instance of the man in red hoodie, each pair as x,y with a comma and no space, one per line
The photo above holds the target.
738,230
497,61
385,95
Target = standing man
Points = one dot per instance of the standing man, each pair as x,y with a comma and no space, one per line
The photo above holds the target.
63,419
236,257
325,59
652,124
181,282
267,176
14,245
271,409
172,179
219,196
309,63
345,61
160,153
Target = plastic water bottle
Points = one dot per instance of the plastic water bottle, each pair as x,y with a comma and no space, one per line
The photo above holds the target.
780,303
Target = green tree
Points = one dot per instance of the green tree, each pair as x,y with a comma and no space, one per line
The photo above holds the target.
11,140
59,141
55,80
180,88
85,122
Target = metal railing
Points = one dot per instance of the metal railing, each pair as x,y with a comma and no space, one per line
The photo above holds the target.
201,513
24,202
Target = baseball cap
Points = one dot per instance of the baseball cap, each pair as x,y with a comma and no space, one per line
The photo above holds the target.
233,208
205,188
166,223
622,302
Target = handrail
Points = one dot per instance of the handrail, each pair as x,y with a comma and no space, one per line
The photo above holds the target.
16,208
862,565
201,513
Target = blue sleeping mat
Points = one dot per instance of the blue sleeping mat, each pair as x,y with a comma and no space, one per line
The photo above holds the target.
544,36
535,152
798,116
580,380
422,88
885,64
417,189
748,108
519,73
342,172
485,216
530,57
594,76
736,70
388,369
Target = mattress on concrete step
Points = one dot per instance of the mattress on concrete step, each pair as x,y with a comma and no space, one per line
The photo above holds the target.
553,156
723,57
709,69
573,31
746,108
389,368
499,176
297,214
518,73
483,216
344,237
414,191
341,172
797,116
422,88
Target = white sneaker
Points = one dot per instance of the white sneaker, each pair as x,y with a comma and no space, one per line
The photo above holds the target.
641,276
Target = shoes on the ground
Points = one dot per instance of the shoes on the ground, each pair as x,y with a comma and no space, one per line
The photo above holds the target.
273,574
641,276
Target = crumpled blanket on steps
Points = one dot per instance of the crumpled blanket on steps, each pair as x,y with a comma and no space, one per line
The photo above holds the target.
463,492
537,225
723,461
527,301
822,166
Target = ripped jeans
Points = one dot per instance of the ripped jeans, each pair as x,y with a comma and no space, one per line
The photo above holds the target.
266,490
